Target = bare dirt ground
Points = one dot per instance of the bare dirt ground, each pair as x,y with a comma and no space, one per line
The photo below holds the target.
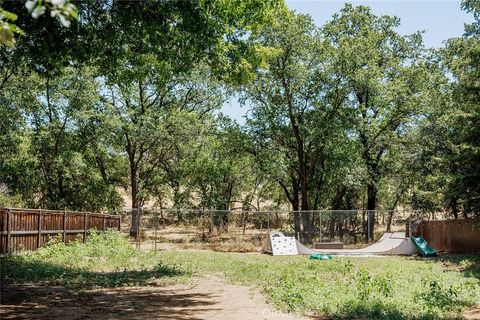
472,313
208,297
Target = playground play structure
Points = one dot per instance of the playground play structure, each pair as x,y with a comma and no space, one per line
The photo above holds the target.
391,243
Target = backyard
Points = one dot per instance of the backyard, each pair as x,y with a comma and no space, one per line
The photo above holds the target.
108,278
153,152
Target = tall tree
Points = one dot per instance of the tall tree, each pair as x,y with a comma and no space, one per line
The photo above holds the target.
385,78
297,111
221,171
58,135
152,75
462,58
142,110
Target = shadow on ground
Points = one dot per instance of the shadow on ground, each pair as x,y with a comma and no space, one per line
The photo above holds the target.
15,270
468,264
40,290
37,302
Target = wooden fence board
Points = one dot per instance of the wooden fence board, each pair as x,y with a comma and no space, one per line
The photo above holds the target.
28,229
462,235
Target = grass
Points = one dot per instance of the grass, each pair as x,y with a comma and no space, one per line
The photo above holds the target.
104,261
374,288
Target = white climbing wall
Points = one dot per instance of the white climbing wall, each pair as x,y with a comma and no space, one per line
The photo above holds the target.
283,246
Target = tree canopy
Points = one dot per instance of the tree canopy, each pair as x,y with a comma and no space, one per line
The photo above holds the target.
102,100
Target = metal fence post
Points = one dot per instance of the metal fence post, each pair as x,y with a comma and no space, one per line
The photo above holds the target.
155,223
368,226
320,224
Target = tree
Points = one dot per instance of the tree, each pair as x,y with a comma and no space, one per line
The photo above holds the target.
60,9
297,112
149,58
161,70
462,58
58,162
142,110
385,79
221,170
448,134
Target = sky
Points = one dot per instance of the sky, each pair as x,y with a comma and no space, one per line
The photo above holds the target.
439,19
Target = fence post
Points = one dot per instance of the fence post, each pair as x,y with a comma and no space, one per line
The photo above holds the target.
320,225
155,223
312,218
119,223
368,225
85,225
211,222
103,222
64,226
9,228
39,235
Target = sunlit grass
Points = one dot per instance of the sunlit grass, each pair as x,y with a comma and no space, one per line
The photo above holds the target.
388,288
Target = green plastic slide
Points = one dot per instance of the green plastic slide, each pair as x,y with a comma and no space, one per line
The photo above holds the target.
423,247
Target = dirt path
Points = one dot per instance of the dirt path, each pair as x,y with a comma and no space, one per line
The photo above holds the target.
472,314
209,297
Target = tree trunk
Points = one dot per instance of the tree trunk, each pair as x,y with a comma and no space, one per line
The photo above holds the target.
306,215
371,207
389,220
135,224
296,216
177,201
454,207
392,208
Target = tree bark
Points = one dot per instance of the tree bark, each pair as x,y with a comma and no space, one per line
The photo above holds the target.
135,224
296,215
454,207
371,207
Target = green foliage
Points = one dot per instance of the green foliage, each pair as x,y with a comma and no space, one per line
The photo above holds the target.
105,260
348,115
54,138
437,296
448,136
60,9
385,77
368,286
7,28
297,113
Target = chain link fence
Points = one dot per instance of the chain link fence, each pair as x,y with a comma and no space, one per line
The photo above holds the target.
240,230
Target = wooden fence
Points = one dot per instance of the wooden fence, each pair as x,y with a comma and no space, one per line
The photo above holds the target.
462,236
29,229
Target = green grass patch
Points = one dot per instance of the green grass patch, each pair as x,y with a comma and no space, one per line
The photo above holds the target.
367,288
373,288
105,260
